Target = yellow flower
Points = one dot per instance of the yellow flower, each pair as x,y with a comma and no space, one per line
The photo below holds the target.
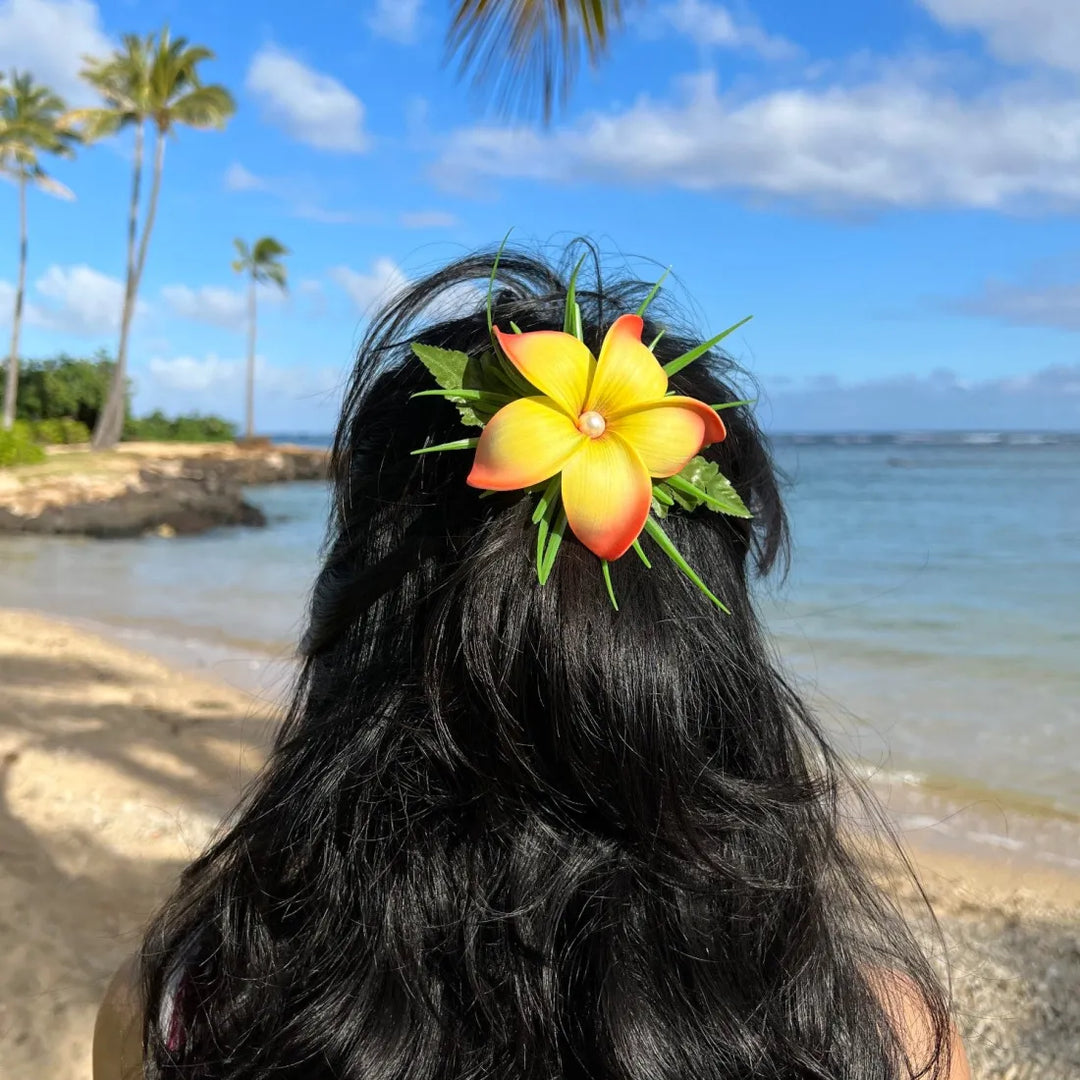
606,425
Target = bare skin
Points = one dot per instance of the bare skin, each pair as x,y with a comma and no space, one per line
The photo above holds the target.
118,1031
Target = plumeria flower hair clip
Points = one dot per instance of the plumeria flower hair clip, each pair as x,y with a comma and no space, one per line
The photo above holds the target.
602,441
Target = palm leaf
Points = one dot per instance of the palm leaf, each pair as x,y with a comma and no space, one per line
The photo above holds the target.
529,48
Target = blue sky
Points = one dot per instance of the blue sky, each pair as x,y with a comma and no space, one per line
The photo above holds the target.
891,189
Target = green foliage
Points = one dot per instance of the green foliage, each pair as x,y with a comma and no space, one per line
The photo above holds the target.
32,122
59,432
157,427
700,483
64,387
476,385
17,448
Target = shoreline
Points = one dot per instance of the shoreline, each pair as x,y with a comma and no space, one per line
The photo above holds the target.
941,814
116,766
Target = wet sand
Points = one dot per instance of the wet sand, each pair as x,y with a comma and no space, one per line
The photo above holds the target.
115,768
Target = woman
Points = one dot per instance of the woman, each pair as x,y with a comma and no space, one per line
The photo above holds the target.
508,830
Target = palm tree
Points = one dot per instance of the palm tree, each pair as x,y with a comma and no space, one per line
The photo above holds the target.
527,45
31,123
152,79
262,264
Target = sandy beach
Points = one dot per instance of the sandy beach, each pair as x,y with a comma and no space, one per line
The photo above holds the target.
115,769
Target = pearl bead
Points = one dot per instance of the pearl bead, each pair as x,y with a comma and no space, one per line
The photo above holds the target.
591,424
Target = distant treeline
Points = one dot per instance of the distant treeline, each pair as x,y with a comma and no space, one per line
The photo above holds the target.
59,401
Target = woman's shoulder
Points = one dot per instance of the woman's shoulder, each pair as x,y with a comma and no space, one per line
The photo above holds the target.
906,1007
118,1029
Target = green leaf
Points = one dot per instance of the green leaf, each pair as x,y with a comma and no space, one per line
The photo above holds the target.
676,365
479,396
732,404
656,341
652,293
572,318
558,528
605,567
641,554
652,527
514,326
663,495
543,516
447,366
457,444
702,483
491,284
548,498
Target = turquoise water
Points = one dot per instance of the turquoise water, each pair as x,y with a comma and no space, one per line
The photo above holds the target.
931,611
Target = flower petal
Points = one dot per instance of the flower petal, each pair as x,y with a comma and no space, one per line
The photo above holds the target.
606,493
667,434
524,443
557,364
627,374
664,437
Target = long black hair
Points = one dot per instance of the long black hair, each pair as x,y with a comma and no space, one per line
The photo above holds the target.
507,832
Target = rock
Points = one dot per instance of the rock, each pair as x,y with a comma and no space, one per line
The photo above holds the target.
150,492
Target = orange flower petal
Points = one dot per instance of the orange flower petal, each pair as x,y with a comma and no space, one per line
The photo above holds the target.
525,442
557,364
665,437
606,493
627,374
633,426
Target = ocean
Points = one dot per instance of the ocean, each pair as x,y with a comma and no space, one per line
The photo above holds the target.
932,611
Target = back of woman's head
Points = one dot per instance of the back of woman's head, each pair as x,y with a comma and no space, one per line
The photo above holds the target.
508,831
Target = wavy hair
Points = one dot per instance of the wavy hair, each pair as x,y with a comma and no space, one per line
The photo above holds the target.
508,833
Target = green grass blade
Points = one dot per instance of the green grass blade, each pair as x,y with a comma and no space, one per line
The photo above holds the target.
514,326
652,294
491,284
641,554
570,321
457,444
732,404
680,362
661,495
652,527
656,341
467,395
558,528
551,493
605,566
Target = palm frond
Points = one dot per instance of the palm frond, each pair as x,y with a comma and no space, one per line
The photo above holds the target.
527,50
32,122
267,249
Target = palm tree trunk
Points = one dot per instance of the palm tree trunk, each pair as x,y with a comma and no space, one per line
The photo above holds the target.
249,426
11,383
107,431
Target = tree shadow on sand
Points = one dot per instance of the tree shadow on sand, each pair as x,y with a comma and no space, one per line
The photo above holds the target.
109,783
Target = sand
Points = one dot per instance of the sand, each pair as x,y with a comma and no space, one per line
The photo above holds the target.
115,768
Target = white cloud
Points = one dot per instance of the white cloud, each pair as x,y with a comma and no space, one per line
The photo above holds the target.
372,290
713,24
429,219
212,374
896,141
397,20
79,300
216,304
237,178
312,107
1045,32
50,38
189,373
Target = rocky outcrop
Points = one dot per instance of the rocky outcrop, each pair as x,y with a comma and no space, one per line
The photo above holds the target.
141,490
